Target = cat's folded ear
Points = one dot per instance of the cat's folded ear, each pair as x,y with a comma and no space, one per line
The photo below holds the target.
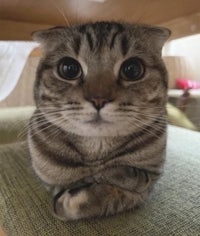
156,36
160,34
48,37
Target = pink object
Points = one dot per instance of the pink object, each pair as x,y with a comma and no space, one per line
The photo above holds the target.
182,83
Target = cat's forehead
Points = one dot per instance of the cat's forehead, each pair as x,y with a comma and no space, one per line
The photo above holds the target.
108,36
104,35
97,39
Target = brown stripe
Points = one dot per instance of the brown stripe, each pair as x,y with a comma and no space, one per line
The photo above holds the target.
82,29
161,68
46,98
153,134
41,68
124,45
113,40
119,31
89,39
77,44
53,156
49,152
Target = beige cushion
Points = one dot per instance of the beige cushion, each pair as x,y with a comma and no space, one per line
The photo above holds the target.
173,208
13,123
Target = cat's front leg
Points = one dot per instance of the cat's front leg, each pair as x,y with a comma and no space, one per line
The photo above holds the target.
126,177
96,200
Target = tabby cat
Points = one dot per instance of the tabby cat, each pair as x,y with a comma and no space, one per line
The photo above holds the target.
97,138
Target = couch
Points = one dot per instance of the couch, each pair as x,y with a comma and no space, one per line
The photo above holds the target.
173,207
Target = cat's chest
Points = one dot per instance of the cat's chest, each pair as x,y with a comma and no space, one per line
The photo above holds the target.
96,149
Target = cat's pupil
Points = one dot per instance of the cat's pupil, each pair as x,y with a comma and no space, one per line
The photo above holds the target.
69,68
132,69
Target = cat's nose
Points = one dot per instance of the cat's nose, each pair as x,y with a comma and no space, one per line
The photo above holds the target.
98,102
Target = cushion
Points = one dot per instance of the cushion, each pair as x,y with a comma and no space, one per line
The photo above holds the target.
172,209
13,123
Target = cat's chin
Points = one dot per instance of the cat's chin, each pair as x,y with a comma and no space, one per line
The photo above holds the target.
99,129
97,122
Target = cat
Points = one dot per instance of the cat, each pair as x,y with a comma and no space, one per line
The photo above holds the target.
97,138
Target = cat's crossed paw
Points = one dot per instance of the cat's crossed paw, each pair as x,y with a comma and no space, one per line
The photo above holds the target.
94,201
67,206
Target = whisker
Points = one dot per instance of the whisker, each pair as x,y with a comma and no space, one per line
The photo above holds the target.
61,12
51,133
42,122
29,126
133,113
167,106
148,131
142,125
58,121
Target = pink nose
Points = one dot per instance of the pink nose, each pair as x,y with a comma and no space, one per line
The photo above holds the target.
98,103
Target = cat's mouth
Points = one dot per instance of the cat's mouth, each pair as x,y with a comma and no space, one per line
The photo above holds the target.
97,120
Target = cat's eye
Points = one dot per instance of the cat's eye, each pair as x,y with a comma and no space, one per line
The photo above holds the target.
132,69
69,68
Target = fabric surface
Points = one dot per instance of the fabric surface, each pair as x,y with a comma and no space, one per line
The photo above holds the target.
13,123
172,209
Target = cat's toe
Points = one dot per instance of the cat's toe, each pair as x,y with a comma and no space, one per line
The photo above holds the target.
67,206
59,203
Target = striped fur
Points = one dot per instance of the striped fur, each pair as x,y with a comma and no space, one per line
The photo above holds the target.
99,166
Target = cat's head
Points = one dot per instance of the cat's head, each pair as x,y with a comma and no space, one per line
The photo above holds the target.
101,79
